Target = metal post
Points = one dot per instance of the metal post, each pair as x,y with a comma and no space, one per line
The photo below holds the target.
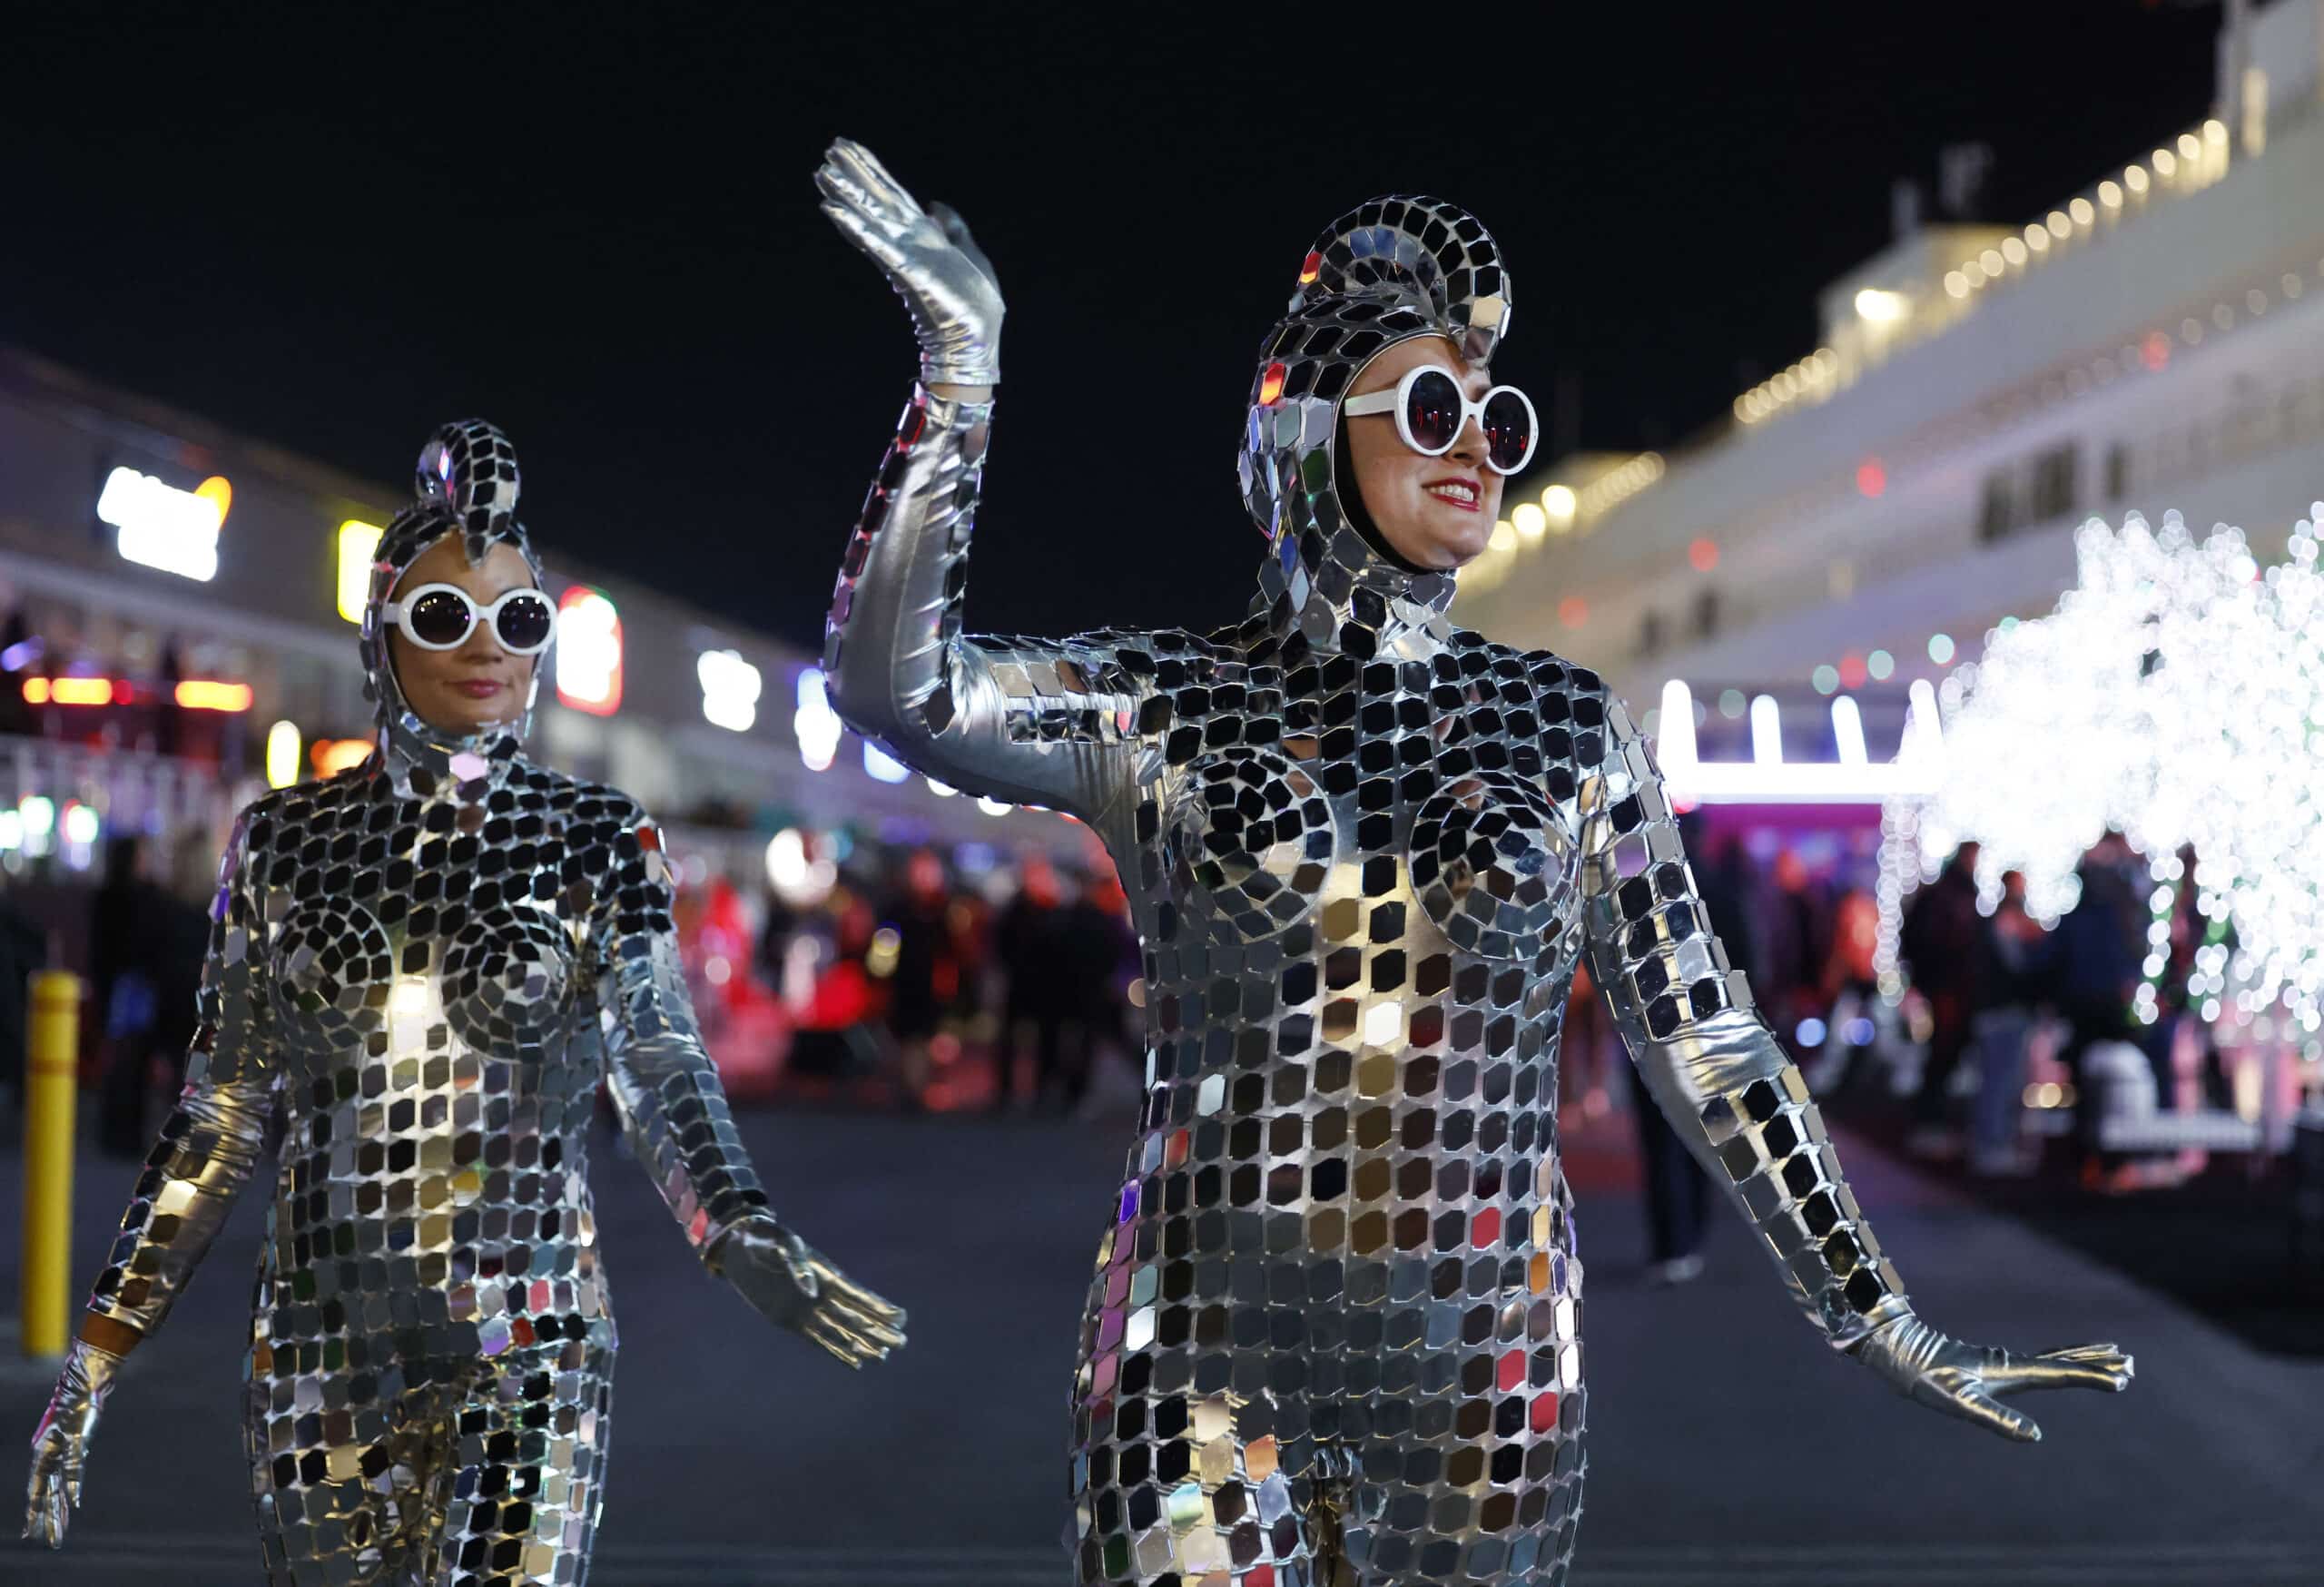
51,1076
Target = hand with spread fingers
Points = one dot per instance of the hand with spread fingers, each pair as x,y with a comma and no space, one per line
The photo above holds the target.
793,1285
1968,1380
61,1445
935,266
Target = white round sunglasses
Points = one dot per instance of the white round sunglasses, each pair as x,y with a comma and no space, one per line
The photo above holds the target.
441,617
1431,410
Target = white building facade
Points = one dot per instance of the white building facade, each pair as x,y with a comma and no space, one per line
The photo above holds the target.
2155,341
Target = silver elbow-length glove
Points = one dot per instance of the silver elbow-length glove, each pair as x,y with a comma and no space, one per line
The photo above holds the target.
944,279
61,1445
1033,720
1732,1094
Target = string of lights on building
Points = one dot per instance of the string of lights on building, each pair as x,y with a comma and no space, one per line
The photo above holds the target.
2194,162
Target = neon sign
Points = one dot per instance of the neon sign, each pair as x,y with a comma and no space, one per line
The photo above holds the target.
588,651
165,528
1766,778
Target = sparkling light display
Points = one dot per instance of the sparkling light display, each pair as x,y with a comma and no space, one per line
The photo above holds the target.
2176,696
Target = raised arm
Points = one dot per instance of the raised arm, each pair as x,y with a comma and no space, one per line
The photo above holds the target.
1733,1095
188,1186
673,1111
1033,720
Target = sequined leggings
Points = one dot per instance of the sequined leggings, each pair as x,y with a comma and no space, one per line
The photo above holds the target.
1434,1440
490,1472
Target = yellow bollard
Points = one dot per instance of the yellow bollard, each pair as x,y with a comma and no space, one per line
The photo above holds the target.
52,1074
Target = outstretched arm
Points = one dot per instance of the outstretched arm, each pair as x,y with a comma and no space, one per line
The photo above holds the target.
1732,1094
674,1113
188,1186
1027,720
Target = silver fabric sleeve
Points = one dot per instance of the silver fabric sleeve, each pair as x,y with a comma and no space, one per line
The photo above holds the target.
1707,1058
663,1083
214,1136
1032,721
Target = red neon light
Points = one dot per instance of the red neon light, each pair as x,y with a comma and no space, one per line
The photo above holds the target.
1871,479
1704,554
588,653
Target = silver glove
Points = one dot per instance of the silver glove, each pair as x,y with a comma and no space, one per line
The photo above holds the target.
1966,1380
793,1285
61,1446
935,266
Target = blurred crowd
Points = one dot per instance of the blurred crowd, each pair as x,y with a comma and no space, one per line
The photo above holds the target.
902,977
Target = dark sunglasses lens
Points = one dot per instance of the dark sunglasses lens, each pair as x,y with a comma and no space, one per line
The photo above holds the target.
440,617
1432,411
525,622
1509,429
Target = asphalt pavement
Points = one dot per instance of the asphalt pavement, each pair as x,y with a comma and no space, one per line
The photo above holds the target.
1727,1445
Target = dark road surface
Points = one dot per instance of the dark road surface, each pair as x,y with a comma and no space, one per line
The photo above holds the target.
1726,1445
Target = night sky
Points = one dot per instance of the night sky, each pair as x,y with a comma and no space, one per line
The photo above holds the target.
594,225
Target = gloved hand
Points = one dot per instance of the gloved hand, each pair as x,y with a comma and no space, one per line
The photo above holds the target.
61,1446
1964,1380
793,1285
935,266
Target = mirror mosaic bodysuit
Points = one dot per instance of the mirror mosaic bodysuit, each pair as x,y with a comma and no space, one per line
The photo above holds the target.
1335,1330
420,969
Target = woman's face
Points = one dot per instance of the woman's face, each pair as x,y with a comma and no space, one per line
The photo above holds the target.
1434,512
477,683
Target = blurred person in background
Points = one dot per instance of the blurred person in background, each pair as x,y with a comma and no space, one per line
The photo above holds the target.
1099,938
2012,944
1792,949
125,973
171,928
1942,941
922,973
1032,943
1848,995
2089,972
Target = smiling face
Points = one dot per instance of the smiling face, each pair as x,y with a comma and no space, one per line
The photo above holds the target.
477,683
1435,513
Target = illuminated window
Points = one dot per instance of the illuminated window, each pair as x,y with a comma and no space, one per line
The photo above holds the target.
165,528
588,651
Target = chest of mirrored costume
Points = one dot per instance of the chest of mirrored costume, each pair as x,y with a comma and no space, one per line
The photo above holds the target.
1358,887
430,959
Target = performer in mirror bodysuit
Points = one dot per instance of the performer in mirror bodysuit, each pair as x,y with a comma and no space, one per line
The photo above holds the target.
422,967
1335,1330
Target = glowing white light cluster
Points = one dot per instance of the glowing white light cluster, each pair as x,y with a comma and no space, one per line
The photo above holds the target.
730,689
815,724
2176,695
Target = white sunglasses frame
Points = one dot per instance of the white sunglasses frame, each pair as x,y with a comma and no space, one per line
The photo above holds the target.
1393,402
398,613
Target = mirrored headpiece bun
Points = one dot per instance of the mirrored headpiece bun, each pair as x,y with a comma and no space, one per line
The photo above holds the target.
1392,269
